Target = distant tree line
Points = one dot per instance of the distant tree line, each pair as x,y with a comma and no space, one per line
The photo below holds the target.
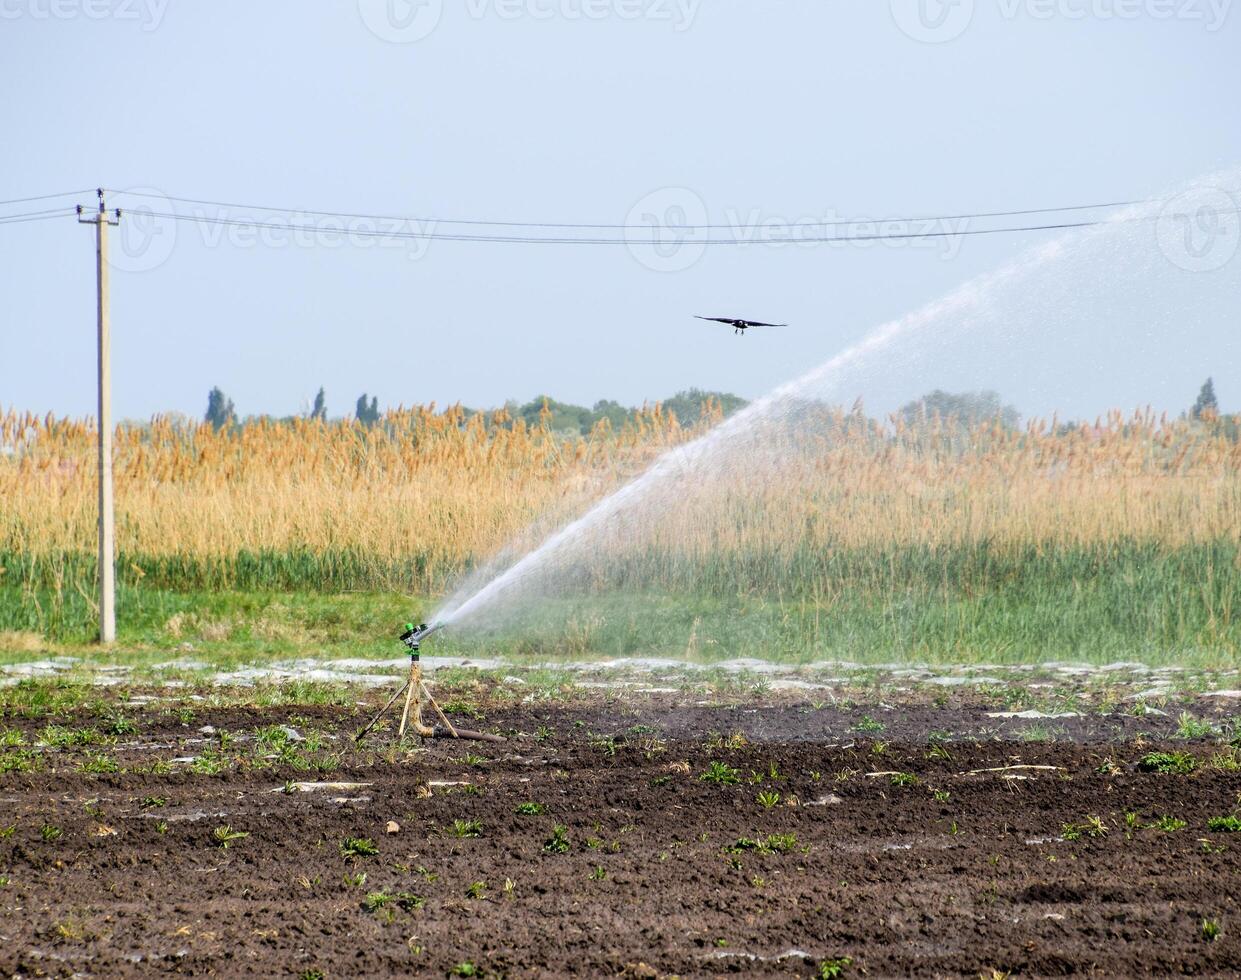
560,416
965,408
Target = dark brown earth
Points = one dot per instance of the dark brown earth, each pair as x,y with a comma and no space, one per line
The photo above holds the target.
957,869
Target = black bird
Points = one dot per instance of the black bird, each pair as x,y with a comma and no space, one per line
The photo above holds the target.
740,326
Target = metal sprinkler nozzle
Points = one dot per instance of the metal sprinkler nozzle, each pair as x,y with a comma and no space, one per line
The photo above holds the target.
414,635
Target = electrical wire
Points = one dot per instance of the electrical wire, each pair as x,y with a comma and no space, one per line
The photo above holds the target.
46,197
531,240
16,219
604,227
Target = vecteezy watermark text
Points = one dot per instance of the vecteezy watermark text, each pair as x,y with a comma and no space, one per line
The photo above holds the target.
148,13
152,224
406,21
938,21
669,230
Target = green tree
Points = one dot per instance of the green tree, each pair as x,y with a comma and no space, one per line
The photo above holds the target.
688,404
966,409
1207,404
367,413
220,409
319,411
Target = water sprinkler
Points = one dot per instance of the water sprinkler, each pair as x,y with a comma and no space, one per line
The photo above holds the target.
416,693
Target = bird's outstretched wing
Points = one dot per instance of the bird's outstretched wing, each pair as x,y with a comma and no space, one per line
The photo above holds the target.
717,319
756,323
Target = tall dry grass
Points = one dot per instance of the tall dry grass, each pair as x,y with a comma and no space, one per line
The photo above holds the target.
430,493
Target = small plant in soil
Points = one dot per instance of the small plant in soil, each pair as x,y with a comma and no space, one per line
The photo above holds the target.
1187,726
768,798
1167,824
477,890
598,874
161,826
1092,827
1210,929
355,847
939,753
96,763
49,833
11,738
543,733
312,974
118,724
529,809
833,969
721,774
1176,763
467,828
558,842
869,724
1230,824
470,759
465,969
903,779
375,901
355,881
153,802
225,836
941,795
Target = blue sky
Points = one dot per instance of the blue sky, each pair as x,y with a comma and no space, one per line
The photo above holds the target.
592,111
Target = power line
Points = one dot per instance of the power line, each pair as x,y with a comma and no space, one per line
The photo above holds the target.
534,240
608,227
16,219
45,197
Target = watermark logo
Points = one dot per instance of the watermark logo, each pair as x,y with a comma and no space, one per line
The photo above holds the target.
937,21
146,236
148,13
933,21
664,230
669,230
1199,230
401,21
406,21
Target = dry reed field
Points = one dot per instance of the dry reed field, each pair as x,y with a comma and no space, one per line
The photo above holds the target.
895,511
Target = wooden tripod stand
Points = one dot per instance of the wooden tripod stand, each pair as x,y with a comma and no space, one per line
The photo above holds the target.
416,694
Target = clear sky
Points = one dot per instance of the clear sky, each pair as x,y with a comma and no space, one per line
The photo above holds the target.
582,111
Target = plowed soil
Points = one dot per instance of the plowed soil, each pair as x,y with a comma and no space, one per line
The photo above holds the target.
872,842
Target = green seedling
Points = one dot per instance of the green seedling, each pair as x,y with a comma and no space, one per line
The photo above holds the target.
153,802
49,833
1230,824
833,969
721,774
477,890
224,836
1187,726
1176,763
768,798
355,847
1167,824
598,874
1092,827
467,828
1210,929
529,809
558,843
903,779
869,724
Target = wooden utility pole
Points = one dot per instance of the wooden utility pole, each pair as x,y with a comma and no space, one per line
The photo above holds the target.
107,563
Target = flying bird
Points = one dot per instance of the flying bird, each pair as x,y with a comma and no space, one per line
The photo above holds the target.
739,326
